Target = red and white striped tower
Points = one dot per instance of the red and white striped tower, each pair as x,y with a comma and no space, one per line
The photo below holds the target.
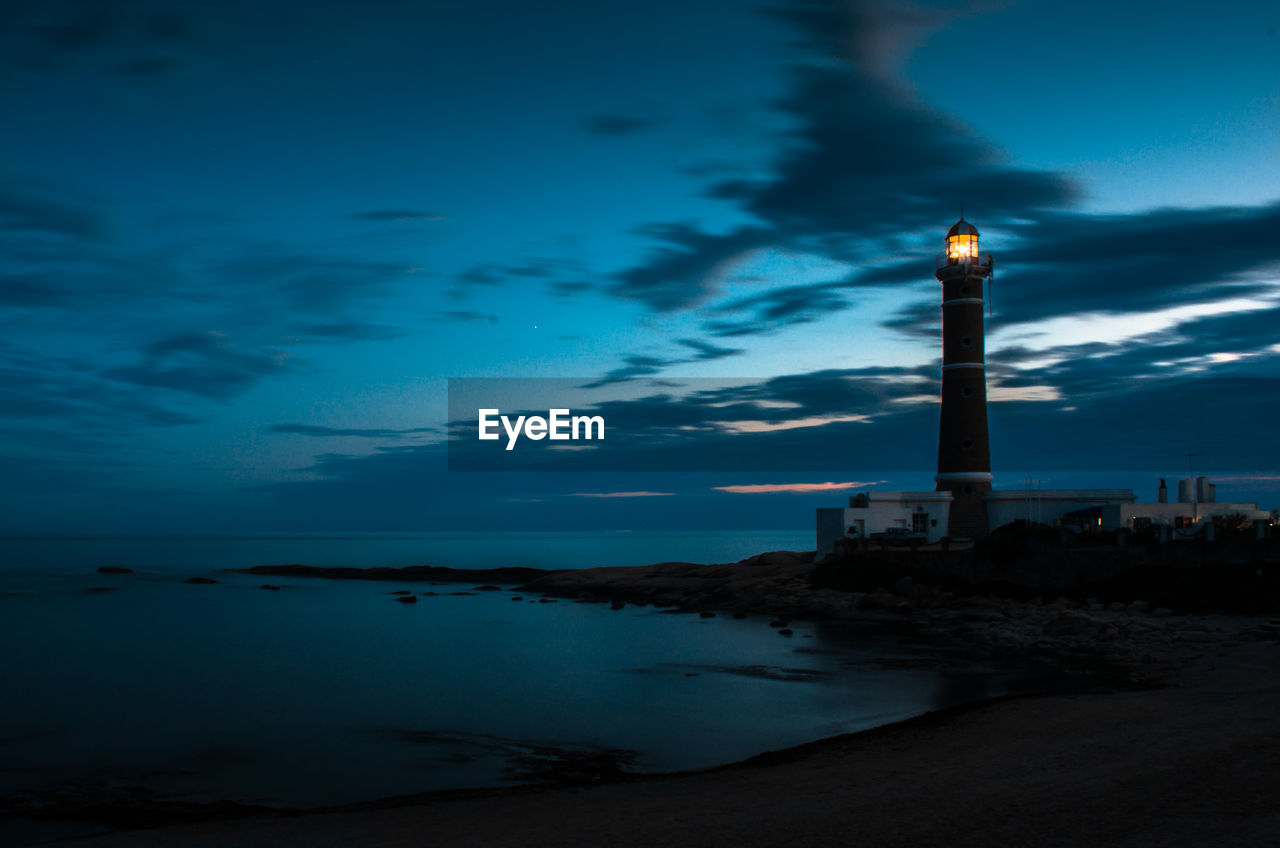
964,455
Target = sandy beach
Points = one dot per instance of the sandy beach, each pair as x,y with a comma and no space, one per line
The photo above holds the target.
1182,749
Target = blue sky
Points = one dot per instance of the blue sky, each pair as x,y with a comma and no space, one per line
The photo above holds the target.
245,247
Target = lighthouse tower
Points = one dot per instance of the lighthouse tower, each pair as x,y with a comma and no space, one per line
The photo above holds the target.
964,457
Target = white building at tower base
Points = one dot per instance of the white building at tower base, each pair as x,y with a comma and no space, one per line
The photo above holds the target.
1086,510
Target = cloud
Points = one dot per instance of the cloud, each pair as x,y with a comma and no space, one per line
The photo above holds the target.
1074,263
618,125
705,351
138,39
343,331
636,366
69,395
621,494
688,268
797,488
85,28
203,364
352,432
153,66
564,276
465,316
757,426
775,309
400,215
30,208
866,161
310,283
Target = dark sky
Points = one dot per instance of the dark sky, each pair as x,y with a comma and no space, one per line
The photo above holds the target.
245,245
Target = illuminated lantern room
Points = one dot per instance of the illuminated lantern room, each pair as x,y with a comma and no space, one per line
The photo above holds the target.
962,243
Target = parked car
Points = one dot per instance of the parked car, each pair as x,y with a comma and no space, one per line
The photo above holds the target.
897,536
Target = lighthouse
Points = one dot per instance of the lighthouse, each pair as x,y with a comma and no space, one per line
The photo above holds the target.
964,456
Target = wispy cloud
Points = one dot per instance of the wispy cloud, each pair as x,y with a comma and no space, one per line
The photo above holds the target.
204,364
796,488
618,125
396,215
621,494
353,432
789,424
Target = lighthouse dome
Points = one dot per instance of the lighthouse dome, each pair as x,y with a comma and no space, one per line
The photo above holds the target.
962,227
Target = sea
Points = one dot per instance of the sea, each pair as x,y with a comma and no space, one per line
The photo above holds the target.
329,691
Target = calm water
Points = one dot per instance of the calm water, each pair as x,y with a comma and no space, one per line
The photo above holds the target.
458,550
330,691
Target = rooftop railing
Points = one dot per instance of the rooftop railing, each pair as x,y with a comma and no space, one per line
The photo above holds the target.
942,260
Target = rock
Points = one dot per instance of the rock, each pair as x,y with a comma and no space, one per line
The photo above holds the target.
402,592
429,594
517,597
1117,607
1139,606
204,581
904,607
95,590
1162,612
488,587
115,569
778,622
706,614
784,632
904,586
617,604
462,593
546,600
407,599
739,614
270,586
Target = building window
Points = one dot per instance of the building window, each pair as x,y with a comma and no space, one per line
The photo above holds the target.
1183,521
919,522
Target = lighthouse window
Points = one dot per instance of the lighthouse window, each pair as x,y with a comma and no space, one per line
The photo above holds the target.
966,341
967,392
966,444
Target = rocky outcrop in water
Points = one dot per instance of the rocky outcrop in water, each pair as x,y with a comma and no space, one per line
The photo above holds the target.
411,574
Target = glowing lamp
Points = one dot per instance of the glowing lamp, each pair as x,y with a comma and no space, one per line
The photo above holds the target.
962,243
